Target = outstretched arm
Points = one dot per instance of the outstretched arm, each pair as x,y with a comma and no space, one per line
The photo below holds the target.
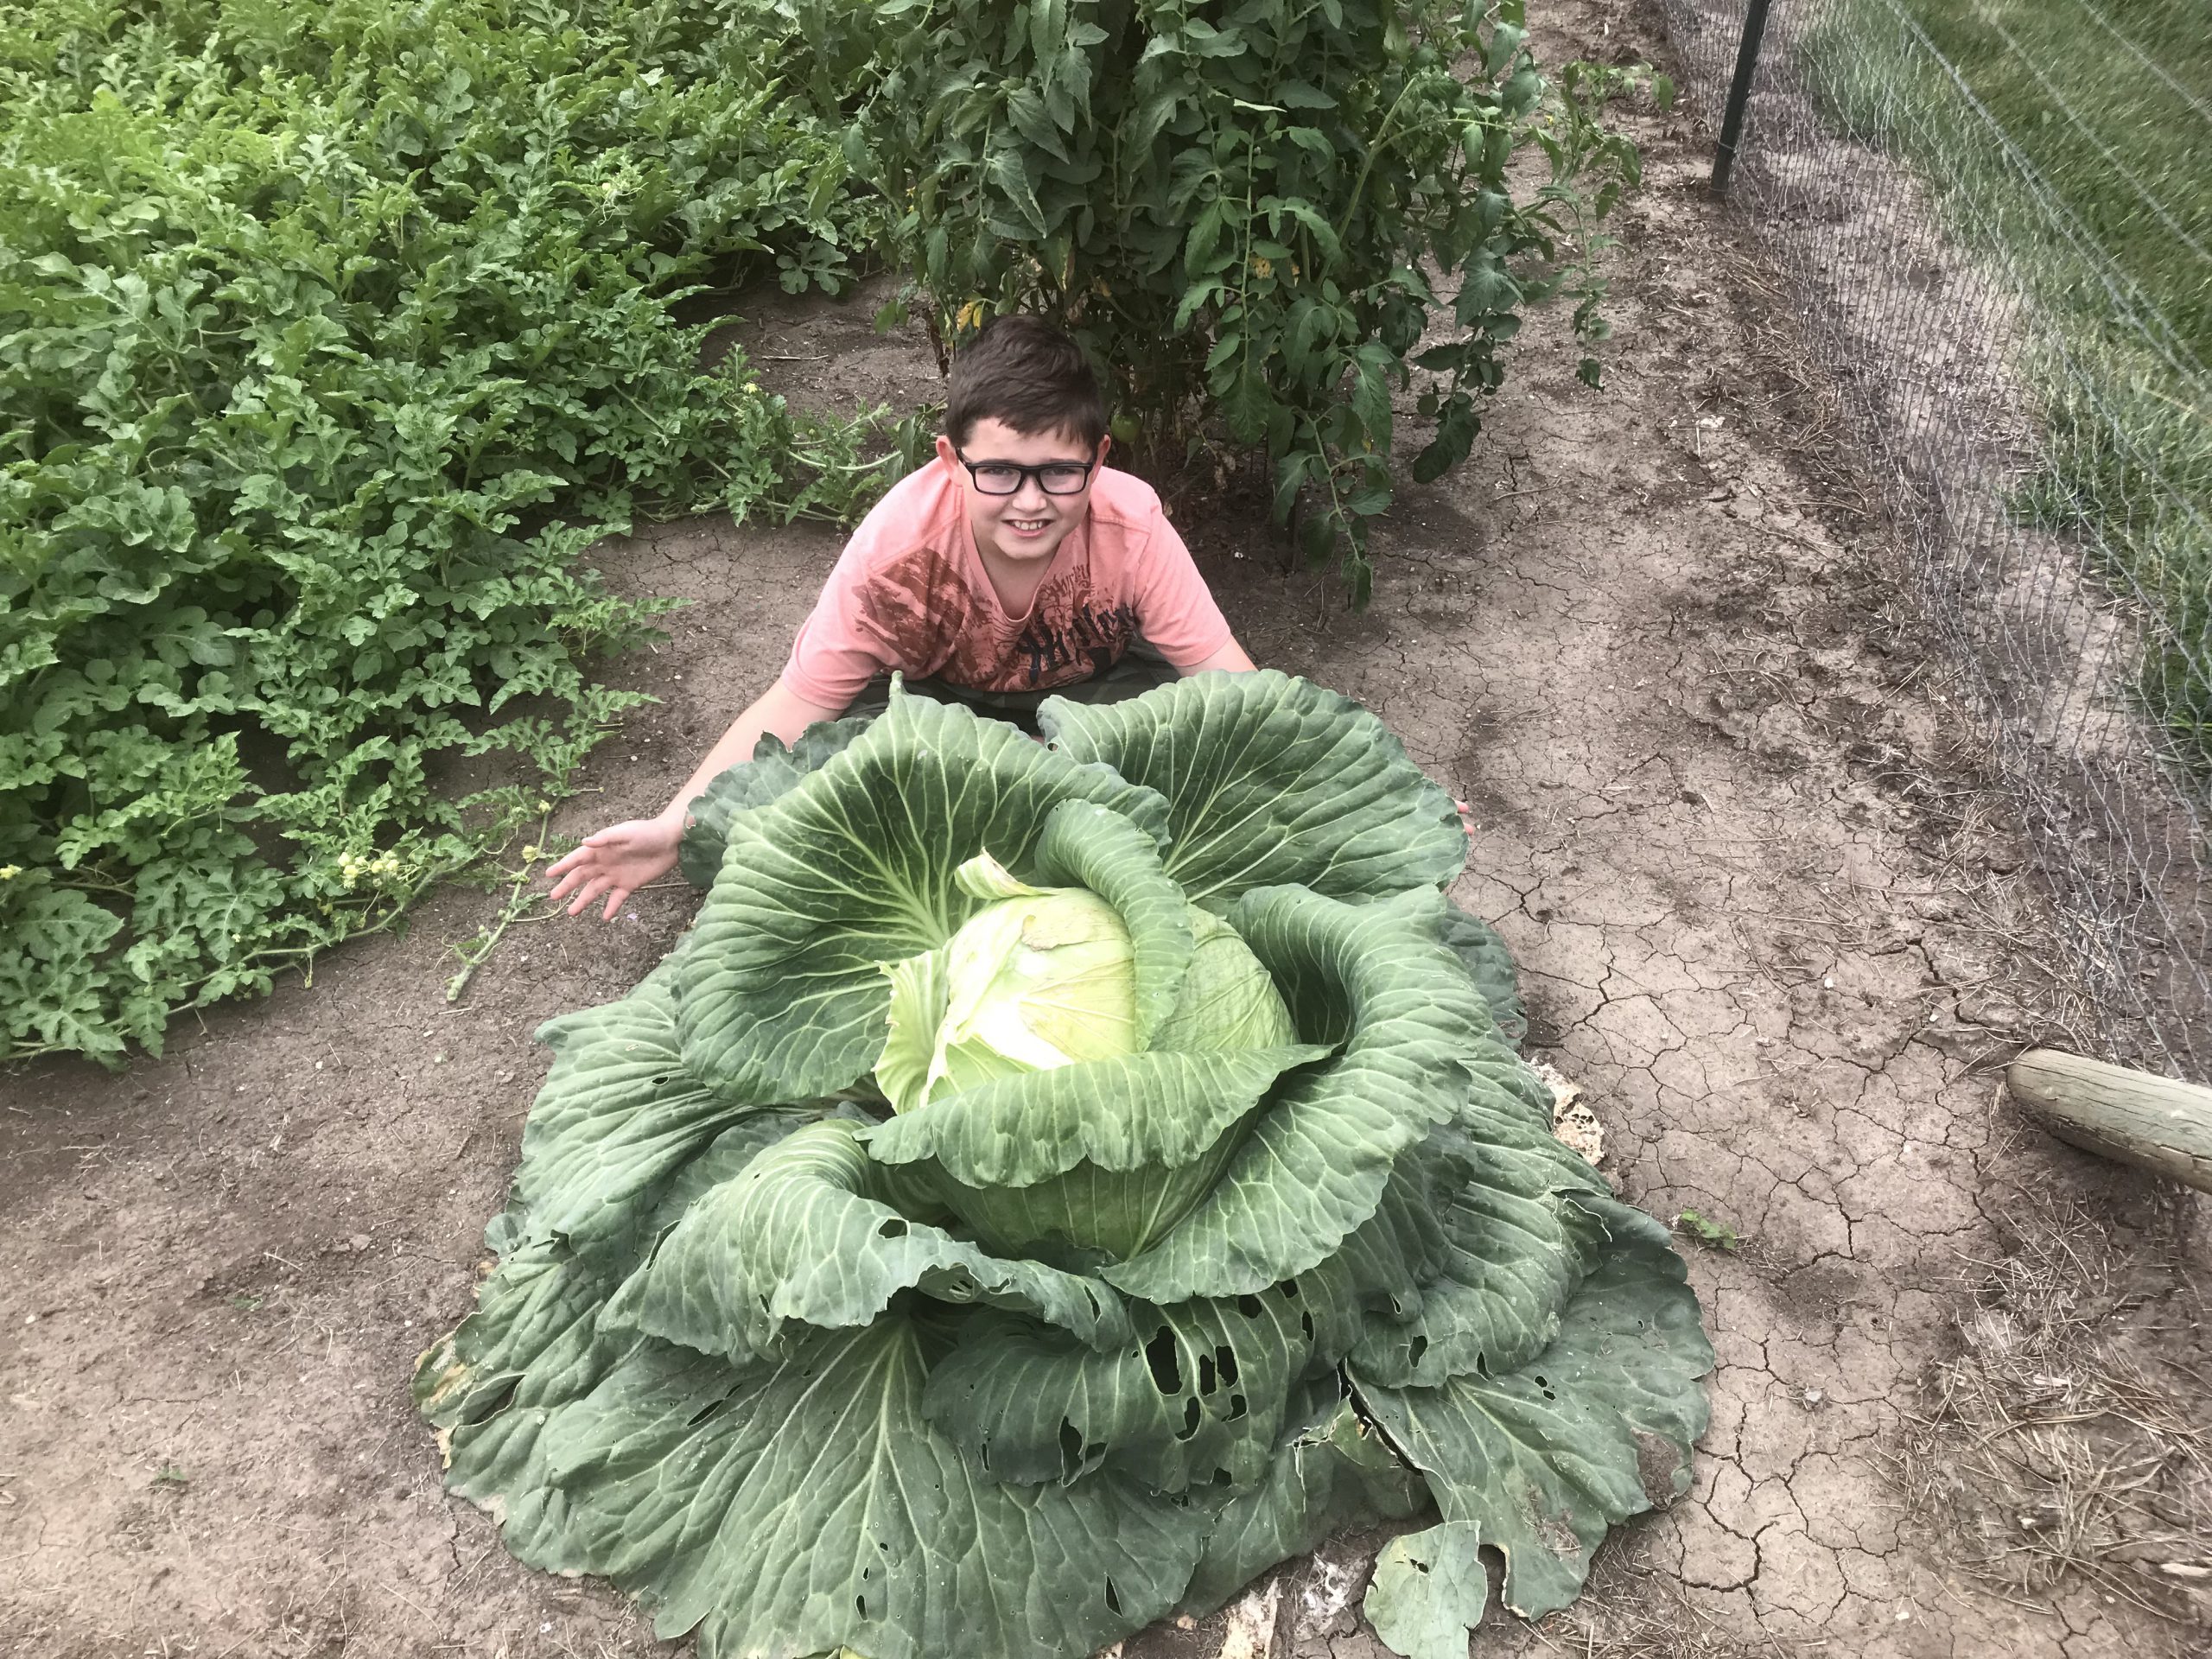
1230,656
619,860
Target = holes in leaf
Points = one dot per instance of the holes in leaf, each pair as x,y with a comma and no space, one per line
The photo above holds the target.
1224,1360
497,1403
860,1604
1192,1417
1416,1348
1237,1406
1306,1324
1165,1364
1545,1384
706,1411
1289,1290
1249,1306
1070,1449
1113,1598
893,1227
1205,1374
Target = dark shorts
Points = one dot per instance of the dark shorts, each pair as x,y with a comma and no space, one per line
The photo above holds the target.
1139,671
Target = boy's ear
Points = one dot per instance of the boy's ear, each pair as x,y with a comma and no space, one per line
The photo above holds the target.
1105,442
945,452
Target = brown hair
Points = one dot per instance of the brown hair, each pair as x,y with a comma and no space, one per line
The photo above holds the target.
1021,369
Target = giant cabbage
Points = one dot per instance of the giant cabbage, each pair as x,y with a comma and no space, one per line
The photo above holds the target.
1049,1186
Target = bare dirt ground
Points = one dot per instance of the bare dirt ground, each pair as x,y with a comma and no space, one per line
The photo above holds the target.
1767,915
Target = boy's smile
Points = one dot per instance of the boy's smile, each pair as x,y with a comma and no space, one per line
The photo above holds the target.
1027,527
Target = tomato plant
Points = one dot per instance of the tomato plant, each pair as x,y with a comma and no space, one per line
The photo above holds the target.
1263,216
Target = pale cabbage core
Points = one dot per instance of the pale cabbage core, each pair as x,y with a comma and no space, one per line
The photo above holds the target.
1033,983
1043,978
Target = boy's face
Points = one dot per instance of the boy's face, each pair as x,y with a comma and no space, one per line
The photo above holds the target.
1028,526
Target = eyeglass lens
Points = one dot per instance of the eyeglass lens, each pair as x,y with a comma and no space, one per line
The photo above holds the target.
1065,479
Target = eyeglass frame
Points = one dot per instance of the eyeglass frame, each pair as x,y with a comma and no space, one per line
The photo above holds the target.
1026,474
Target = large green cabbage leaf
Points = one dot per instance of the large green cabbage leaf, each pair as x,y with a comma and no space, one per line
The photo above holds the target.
1078,1334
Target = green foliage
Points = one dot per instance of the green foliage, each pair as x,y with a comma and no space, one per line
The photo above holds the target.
1713,1235
1264,218
330,337
821,1340
2072,140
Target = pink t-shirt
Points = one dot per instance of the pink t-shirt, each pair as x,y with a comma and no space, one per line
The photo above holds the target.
909,593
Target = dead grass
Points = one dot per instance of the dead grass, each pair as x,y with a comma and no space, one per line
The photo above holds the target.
2059,1445
1634,1610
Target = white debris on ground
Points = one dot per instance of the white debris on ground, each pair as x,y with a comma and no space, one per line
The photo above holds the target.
1250,1632
1333,1584
1575,1124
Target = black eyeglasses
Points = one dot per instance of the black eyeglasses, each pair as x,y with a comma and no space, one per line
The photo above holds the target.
1006,478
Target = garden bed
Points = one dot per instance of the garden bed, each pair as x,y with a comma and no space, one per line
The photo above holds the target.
1768,919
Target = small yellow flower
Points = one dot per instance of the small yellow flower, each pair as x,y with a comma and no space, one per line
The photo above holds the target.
10,872
1262,268
753,387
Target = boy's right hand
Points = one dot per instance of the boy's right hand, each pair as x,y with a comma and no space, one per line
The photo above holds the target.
616,861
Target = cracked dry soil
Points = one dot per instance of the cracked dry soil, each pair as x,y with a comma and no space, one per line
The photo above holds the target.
1768,916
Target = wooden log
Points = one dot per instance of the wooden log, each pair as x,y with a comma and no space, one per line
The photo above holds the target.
2152,1123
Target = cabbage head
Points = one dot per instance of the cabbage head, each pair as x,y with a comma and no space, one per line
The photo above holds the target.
1049,1186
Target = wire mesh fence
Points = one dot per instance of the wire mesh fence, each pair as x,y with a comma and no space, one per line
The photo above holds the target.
1997,215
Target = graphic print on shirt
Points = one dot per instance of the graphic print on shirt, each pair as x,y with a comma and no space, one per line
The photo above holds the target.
1091,641
931,624
917,606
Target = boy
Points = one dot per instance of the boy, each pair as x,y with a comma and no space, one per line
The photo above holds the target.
1016,566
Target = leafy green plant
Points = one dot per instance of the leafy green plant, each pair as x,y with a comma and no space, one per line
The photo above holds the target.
1264,218
329,339
1048,1186
1713,1235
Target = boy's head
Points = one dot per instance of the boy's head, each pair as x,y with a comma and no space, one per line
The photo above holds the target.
1026,425
1027,376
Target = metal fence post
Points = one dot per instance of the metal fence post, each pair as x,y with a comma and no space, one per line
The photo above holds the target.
1739,92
